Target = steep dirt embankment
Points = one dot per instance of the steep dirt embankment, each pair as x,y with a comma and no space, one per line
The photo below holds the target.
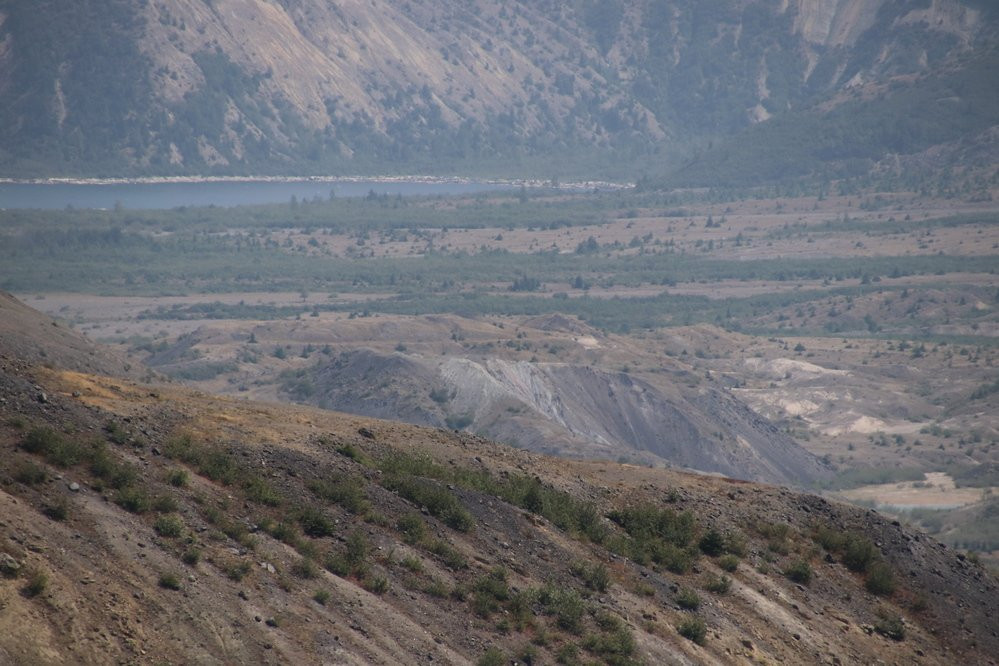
565,409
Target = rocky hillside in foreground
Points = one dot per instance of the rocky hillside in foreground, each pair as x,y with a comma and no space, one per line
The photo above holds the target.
308,86
150,524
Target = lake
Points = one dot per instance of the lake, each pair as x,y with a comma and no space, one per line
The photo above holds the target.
218,193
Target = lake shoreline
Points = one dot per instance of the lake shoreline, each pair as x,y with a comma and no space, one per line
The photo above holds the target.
413,179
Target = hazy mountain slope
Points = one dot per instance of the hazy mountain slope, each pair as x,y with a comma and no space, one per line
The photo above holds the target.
193,86
155,524
29,336
568,409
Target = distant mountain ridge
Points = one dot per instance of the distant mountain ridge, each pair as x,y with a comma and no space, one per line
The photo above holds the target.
306,86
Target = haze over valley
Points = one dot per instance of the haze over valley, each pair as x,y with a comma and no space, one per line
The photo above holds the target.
676,342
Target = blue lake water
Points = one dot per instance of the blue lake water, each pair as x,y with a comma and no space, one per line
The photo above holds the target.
217,193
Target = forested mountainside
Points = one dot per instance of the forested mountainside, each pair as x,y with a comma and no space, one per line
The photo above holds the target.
661,87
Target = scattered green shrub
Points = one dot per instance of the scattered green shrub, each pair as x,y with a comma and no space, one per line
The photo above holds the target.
728,562
436,498
799,571
345,490
492,657
305,568
170,526
29,473
321,597
260,491
38,582
693,629
314,522
568,654
718,584
595,576
133,499
353,559
170,581
177,477
448,554
880,580
712,543
859,553
53,446
489,591
412,563
687,599
58,509
412,527
613,643
565,605
191,556
661,535
375,584
236,570
164,504
891,626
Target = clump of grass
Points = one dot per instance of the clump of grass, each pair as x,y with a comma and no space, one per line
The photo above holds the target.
170,581
29,473
693,629
412,527
375,584
718,584
728,562
448,554
177,477
859,553
436,498
596,577
53,446
321,597
799,571
38,582
115,432
492,657
565,605
436,588
236,569
164,504
259,491
191,556
712,543
305,568
133,499
353,559
345,490
314,522
687,599
613,643
57,509
663,536
880,580
778,536
412,563
489,591
568,654
890,626
115,473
